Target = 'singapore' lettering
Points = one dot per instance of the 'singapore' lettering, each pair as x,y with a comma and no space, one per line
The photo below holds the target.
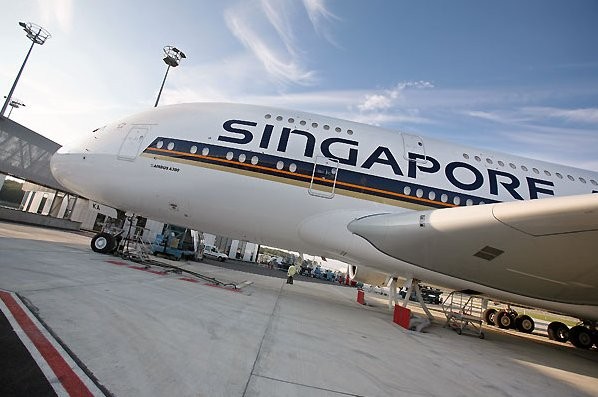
461,175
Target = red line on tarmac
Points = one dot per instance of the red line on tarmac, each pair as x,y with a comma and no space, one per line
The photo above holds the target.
224,288
162,273
147,270
191,280
70,381
118,263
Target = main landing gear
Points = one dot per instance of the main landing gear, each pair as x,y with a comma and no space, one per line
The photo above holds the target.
583,335
509,318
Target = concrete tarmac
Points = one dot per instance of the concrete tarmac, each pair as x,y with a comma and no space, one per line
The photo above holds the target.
141,333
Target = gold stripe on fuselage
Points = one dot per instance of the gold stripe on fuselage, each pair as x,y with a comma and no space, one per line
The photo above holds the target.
283,177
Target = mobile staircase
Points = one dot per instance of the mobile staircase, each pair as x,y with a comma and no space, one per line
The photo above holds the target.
464,313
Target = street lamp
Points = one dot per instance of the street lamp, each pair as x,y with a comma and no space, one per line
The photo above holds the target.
37,35
14,104
172,57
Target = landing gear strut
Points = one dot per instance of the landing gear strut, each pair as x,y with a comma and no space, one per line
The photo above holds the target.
411,285
505,318
109,240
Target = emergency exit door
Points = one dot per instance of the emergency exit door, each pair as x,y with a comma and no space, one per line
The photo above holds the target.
323,177
131,145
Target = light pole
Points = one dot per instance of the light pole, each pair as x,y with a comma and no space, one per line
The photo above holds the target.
172,57
14,104
37,35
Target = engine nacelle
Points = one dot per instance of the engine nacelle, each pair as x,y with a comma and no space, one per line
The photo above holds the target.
366,275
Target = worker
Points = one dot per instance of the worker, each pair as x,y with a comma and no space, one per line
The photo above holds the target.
292,271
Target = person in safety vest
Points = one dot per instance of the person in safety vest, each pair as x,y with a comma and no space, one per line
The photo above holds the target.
292,271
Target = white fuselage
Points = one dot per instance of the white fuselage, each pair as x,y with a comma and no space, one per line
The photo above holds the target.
248,172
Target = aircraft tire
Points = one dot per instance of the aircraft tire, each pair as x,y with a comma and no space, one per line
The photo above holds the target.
524,324
102,243
489,316
581,337
513,314
503,319
221,259
558,331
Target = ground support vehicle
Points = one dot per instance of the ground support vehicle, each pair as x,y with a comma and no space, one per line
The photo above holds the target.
214,253
178,243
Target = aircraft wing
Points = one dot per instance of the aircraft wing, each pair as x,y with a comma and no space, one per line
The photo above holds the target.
545,248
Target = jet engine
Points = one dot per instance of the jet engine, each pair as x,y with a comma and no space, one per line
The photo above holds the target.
366,275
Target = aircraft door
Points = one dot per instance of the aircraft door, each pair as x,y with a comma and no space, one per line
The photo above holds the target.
131,145
323,177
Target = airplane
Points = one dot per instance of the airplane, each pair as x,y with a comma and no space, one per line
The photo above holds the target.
390,204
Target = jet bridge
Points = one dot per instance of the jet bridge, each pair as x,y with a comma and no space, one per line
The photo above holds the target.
25,154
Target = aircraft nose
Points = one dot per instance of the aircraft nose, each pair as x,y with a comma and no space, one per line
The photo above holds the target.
56,165
61,166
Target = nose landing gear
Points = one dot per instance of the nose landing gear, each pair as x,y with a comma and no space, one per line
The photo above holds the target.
103,243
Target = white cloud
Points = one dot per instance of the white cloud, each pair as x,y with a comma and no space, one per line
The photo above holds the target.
536,135
531,115
266,29
375,102
551,134
584,115
574,147
213,87
386,119
59,11
386,99
323,102
226,79
279,19
283,65
414,84
340,104
319,15
485,115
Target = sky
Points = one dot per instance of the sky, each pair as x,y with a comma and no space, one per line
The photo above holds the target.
512,76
